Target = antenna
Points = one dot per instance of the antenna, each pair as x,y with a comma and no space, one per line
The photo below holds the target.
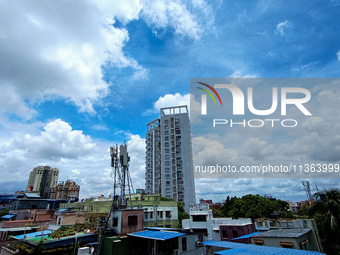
122,181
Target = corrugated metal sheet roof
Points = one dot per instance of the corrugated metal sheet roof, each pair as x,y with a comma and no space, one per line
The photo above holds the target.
246,249
34,234
246,236
32,195
296,232
17,229
8,216
157,235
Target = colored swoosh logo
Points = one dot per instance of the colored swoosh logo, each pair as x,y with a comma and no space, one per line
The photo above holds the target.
209,93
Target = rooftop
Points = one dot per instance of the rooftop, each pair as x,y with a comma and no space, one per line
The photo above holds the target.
246,236
32,195
244,249
157,235
296,232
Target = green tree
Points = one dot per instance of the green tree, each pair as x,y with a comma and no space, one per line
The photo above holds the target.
4,212
181,214
254,206
326,211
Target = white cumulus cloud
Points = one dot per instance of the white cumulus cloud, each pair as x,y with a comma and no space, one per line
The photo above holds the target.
53,50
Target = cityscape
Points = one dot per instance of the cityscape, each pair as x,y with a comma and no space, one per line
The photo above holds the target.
169,127
48,217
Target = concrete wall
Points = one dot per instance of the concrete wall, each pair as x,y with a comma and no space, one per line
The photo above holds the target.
125,228
240,230
267,224
275,242
70,219
192,249
22,223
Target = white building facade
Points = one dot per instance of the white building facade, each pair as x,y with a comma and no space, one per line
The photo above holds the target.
169,167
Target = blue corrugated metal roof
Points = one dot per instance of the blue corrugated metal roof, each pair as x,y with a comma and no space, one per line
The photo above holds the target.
34,234
63,210
246,236
8,216
246,249
157,235
231,251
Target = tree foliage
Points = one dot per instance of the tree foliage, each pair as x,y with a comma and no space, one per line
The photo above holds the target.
181,214
254,206
326,211
4,212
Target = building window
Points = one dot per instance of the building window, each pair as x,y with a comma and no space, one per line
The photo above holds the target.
199,218
146,215
168,214
160,214
167,190
166,132
178,132
168,226
290,245
235,234
200,238
167,150
151,215
166,138
166,144
167,163
167,183
225,234
132,220
184,243
258,241
167,157
114,222
166,121
166,126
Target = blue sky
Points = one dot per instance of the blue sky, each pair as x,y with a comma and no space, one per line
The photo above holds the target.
79,76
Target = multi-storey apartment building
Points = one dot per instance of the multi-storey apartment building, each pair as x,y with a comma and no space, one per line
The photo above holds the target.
169,168
41,180
67,191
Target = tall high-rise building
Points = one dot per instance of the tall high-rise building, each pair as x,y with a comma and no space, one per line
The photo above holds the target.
169,167
42,180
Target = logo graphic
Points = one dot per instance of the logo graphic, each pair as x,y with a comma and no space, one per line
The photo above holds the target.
204,97
239,99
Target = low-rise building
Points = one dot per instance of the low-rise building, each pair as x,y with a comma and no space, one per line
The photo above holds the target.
125,221
298,238
157,212
223,248
168,242
202,220
68,217
264,224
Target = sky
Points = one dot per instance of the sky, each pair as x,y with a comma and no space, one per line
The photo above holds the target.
79,76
